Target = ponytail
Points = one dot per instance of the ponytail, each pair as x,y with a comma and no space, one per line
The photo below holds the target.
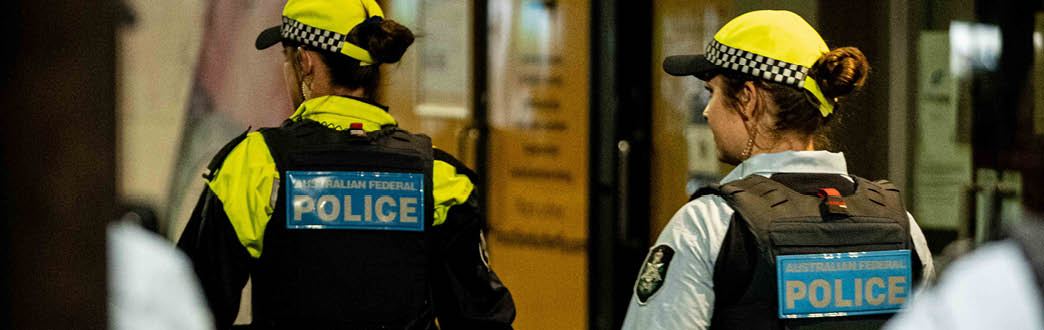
386,40
840,71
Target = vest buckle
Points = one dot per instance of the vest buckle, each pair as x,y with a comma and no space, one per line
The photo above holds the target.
833,203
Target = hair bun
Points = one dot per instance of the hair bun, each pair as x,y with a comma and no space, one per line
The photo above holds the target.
388,43
840,71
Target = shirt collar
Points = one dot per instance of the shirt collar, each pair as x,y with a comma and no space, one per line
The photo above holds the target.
817,161
341,111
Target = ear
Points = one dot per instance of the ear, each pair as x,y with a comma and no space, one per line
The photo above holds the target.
307,60
748,98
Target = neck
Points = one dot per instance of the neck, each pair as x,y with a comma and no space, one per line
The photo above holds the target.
322,85
789,142
358,92
325,89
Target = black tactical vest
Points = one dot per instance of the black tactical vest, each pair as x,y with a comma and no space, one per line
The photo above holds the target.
772,219
344,278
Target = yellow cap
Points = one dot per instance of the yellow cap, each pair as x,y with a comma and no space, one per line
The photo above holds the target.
774,45
324,24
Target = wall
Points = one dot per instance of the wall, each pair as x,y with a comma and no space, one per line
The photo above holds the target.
157,54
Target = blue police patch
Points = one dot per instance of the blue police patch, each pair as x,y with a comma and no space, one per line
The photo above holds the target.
355,200
842,284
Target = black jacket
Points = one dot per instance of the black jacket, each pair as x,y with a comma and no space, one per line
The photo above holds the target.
464,292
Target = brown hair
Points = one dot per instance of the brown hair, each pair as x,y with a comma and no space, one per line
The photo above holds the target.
386,40
838,73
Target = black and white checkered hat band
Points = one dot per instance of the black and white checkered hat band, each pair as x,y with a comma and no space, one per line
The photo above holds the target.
756,65
312,36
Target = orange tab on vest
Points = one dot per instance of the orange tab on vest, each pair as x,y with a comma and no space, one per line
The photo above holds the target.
356,129
833,201
829,192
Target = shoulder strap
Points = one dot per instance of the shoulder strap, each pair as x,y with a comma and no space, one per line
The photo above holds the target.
219,158
758,201
276,138
395,137
714,189
881,191
750,183
761,199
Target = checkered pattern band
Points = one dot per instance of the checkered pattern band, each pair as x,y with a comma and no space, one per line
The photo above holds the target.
756,65
312,36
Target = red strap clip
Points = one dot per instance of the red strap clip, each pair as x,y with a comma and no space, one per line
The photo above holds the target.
356,129
833,201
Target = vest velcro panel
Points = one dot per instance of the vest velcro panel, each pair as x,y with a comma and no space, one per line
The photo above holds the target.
789,222
343,278
772,219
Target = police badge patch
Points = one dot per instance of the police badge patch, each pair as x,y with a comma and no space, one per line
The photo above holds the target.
653,272
354,200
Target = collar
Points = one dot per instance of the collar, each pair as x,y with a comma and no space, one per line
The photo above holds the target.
341,111
817,161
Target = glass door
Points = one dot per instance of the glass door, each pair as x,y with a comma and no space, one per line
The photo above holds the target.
538,157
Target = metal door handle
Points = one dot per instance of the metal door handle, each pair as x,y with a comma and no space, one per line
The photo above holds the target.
623,149
467,143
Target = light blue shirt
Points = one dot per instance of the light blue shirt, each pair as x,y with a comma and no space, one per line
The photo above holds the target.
151,284
991,288
696,232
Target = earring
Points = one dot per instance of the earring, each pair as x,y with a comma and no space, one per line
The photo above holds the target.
748,149
750,146
306,92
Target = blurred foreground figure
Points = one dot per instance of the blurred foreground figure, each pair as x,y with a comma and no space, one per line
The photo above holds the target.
343,220
151,284
998,286
788,239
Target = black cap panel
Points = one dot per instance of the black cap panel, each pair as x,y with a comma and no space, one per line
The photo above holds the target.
268,37
689,65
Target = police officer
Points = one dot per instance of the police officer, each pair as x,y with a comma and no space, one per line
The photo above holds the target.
1000,285
341,219
788,238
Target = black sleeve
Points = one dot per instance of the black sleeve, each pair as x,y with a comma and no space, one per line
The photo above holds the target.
466,292
220,260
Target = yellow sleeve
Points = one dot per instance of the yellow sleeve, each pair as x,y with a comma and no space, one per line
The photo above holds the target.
449,188
244,185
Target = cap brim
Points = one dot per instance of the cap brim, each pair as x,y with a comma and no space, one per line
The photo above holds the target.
268,37
689,65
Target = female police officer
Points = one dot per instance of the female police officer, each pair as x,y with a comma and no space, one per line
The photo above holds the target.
342,219
789,238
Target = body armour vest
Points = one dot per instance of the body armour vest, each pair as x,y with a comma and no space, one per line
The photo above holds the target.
839,259
346,244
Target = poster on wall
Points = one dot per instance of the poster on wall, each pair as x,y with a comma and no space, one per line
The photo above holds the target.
538,158
444,75
942,170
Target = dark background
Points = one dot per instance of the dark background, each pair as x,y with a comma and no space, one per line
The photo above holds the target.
58,177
